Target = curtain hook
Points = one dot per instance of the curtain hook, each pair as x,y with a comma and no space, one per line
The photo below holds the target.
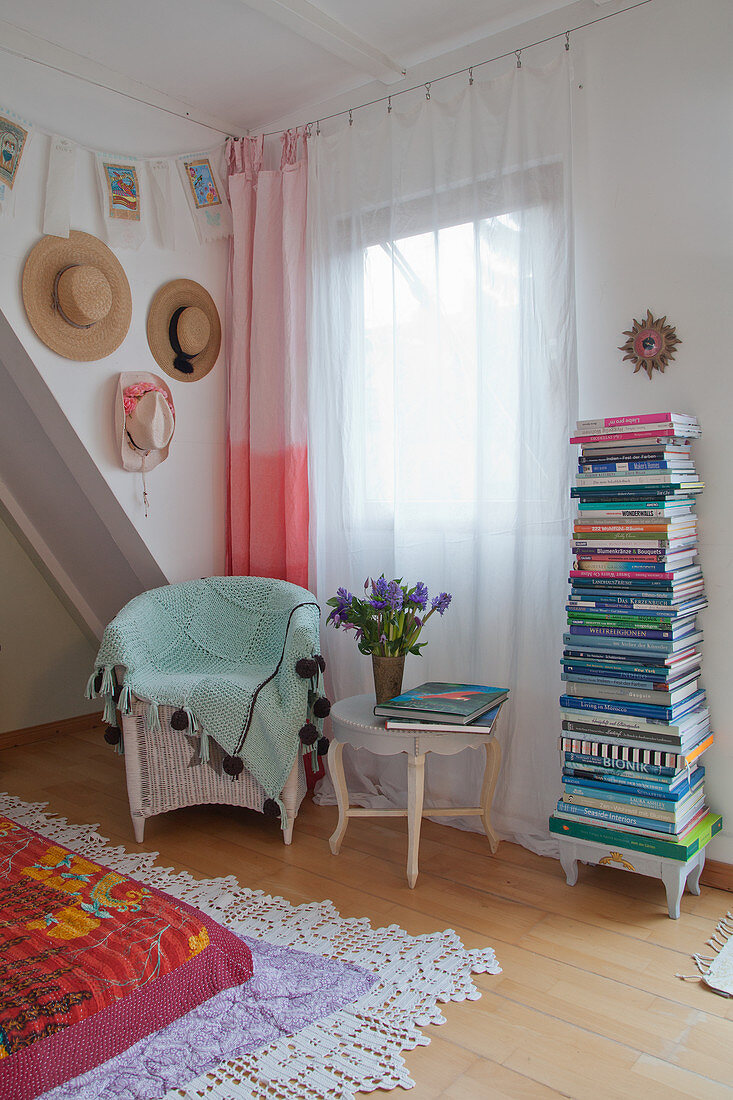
389,104
518,55
427,90
470,76
567,40
318,127
351,117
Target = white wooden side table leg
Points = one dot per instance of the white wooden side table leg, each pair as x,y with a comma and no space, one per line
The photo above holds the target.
415,792
336,771
491,774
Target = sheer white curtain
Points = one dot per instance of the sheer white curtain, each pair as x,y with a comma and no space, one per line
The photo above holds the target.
442,390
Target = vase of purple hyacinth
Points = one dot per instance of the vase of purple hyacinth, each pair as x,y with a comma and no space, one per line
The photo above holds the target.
387,622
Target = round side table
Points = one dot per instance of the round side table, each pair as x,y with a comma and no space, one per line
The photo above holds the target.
355,724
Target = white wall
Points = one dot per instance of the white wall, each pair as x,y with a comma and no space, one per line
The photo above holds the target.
45,659
185,529
654,229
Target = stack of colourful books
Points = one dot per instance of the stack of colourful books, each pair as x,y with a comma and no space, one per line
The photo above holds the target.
634,714
439,707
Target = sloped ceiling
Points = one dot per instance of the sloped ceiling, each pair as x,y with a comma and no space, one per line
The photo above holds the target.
245,63
58,503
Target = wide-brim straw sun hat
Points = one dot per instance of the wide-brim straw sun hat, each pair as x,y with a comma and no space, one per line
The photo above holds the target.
77,296
144,420
184,330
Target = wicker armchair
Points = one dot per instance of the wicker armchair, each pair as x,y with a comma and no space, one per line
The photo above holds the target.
217,684
163,774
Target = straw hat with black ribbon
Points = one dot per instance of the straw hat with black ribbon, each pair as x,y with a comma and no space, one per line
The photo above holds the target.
184,330
77,296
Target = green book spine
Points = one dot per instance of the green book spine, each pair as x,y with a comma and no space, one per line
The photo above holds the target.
668,849
620,620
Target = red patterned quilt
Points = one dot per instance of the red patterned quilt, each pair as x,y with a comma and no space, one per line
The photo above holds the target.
91,962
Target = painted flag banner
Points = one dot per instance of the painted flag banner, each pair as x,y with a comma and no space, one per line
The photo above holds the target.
122,200
161,205
201,179
14,134
60,186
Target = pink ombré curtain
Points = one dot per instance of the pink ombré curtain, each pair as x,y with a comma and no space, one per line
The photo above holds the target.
267,511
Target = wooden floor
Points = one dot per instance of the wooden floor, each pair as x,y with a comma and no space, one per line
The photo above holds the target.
588,1004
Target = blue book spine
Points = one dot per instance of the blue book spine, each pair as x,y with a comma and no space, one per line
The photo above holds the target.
616,672
617,819
613,681
622,765
643,802
655,786
624,632
631,785
636,710
622,645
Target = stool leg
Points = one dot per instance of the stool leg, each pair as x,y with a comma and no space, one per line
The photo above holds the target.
674,883
336,770
415,792
569,864
693,879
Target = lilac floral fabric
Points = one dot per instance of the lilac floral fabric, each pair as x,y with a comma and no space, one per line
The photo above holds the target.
288,991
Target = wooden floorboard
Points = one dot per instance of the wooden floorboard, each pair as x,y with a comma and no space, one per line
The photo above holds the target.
588,1004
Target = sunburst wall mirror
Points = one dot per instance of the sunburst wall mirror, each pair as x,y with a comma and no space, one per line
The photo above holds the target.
651,344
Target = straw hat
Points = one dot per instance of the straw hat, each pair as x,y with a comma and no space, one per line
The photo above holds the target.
184,330
144,420
77,296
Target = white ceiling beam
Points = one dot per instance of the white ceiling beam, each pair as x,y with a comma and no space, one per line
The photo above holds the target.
311,23
32,47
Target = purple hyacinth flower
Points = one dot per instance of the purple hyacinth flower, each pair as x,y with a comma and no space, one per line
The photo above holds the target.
395,596
440,603
420,596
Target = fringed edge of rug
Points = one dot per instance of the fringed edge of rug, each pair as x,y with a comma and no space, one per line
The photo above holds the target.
706,964
357,1049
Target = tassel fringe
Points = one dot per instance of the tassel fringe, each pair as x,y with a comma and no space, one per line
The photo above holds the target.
152,718
203,746
109,714
123,703
717,941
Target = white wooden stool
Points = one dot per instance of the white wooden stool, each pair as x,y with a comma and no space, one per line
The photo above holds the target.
355,724
674,873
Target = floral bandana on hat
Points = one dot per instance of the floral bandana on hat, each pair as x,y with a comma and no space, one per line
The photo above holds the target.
145,421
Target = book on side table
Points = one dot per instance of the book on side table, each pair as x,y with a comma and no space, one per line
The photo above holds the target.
437,704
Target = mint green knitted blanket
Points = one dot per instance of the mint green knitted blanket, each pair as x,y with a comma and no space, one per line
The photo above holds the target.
224,650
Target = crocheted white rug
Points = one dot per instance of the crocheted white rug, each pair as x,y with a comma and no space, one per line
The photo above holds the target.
717,969
355,1050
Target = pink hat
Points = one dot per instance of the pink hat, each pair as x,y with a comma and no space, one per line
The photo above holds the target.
145,420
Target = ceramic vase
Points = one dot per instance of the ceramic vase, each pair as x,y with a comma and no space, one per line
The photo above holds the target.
387,676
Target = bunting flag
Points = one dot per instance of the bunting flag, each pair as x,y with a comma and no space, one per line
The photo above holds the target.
207,200
14,134
59,186
122,200
161,201
135,192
